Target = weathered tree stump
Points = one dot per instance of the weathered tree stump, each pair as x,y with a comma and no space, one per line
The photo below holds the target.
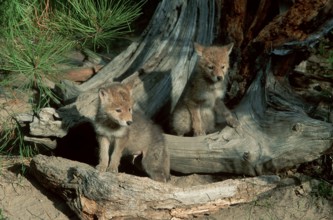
276,130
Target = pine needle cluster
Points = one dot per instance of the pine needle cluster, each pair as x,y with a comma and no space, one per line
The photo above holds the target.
36,36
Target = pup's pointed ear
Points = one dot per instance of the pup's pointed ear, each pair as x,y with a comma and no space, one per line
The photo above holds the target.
130,85
198,48
103,95
229,47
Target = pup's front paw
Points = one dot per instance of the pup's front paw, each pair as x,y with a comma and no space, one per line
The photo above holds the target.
101,167
199,133
112,169
233,122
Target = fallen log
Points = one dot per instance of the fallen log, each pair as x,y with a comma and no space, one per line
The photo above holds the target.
95,195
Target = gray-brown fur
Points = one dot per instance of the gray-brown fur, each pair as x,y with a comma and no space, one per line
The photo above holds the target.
201,107
130,134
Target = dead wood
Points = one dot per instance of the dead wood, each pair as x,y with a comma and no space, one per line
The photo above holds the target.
269,28
276,130
94,195
275,133
163,56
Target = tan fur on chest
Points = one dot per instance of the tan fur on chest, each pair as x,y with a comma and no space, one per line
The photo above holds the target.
111,133
205,93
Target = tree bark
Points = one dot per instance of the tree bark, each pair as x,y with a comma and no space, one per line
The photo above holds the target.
267,28
94,195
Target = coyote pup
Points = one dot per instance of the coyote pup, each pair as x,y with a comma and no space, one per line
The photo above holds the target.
201,106
129,133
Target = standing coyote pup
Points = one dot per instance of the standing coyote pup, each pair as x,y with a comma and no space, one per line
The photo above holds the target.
129,133
202,104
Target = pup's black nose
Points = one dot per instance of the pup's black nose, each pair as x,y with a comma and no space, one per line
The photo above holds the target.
129,122
219,78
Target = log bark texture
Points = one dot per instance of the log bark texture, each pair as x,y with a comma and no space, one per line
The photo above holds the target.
94,195
276,131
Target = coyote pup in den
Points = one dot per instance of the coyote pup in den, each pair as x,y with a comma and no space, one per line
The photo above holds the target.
129,133
201,106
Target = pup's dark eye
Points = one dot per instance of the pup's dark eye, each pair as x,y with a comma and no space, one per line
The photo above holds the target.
210,67
118,110
222,67
129,109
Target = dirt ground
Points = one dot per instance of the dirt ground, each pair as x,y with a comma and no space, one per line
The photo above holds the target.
300,197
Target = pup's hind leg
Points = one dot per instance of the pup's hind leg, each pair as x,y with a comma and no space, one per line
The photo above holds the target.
181,121
157,165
